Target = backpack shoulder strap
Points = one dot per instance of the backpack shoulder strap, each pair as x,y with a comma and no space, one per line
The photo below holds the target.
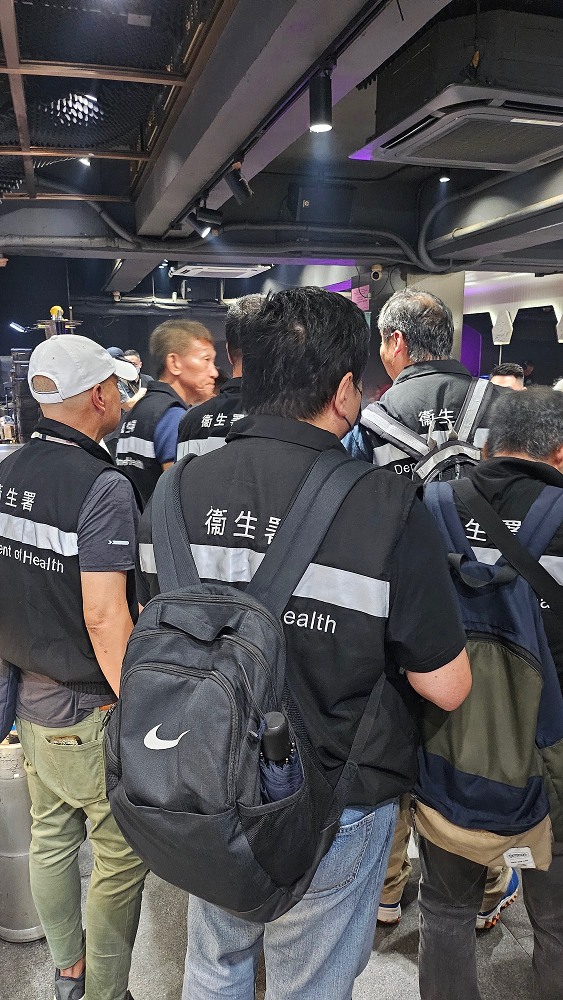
175,564
543,519
478,393
376,419
306,522
510,547
440,501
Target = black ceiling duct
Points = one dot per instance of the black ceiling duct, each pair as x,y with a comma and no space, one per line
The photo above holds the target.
484,91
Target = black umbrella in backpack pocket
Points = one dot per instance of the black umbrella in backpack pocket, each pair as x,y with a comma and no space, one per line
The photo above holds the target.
281,772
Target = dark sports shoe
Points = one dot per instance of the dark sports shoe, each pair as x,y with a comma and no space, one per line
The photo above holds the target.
67,988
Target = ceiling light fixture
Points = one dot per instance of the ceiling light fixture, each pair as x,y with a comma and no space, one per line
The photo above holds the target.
445,179
238,185
74,109
209,215
200,228
85,161
320,102
535,121
17,327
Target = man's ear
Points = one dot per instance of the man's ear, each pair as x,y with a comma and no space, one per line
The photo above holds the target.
400,345
173,364
98,398
557,458
342,394
485,451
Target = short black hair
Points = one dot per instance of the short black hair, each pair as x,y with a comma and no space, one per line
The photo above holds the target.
508,369
297,349
530,423
424,320
238,314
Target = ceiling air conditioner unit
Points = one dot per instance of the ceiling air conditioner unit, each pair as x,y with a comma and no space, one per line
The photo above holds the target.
218,270
484,91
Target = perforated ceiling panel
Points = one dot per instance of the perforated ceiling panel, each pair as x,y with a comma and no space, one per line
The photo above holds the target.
11,174
86,114
143,33
482,141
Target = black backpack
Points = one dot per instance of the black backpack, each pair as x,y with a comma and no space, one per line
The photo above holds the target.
434,461
203,666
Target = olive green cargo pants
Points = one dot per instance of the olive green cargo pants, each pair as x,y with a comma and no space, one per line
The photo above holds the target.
67,787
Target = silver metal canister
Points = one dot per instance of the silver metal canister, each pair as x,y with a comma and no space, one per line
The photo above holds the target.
18,917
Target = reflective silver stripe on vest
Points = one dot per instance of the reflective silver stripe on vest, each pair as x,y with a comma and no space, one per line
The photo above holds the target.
229,564
553,564
146,558
320,583
457,449
345,590
198,446
139,446
480,437
386,454
385,426
466,424
42,536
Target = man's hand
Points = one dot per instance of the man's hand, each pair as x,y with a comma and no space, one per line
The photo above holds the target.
107,618
447,687
130,403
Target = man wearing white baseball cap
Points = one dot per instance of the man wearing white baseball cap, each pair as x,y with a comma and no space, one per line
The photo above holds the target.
68,521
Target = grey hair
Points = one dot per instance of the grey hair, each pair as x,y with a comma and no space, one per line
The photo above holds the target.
424,320
239,313
530,423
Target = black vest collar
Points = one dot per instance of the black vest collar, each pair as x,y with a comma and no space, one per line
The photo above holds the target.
157,386
56,429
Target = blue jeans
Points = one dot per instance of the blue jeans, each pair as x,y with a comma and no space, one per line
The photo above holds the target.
315,951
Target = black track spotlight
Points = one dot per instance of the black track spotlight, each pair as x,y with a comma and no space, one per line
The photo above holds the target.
202,228
320,102
240,188
210,216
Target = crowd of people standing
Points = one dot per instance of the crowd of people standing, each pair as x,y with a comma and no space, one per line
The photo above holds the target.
386,603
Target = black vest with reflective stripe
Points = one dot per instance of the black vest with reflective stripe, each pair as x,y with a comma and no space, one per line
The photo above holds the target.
43,487
135,448
206,426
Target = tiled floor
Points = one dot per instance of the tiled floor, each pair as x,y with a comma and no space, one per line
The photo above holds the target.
26,971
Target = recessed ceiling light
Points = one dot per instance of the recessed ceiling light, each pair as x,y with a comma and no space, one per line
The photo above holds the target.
85,161
445,179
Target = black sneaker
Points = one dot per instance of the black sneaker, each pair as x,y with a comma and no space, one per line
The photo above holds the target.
67,988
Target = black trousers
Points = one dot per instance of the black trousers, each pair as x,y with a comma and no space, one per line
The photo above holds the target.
450,895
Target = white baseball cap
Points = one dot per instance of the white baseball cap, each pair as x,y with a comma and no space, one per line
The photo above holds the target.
74,364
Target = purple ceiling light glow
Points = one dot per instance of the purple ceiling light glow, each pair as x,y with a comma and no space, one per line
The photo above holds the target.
362,154
340,286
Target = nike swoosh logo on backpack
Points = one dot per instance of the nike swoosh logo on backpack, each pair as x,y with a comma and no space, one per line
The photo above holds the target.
152,741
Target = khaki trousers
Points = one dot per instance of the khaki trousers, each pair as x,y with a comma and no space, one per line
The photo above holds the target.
67,787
